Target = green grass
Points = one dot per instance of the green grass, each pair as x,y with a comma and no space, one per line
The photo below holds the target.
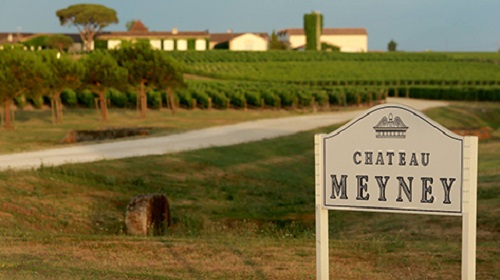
239,212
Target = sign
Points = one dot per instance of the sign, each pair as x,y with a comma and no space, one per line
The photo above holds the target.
393,158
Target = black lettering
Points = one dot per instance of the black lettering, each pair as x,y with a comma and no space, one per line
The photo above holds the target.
339,188
406,189
425,161
380,159
390,155
413,160
381,185
362,186
355,157
402,158
427,189
447,188
368,158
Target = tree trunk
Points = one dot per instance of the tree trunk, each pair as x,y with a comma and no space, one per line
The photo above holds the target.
171,100
144,101
104,105
6,106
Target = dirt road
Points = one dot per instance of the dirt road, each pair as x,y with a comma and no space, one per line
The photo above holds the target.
214,136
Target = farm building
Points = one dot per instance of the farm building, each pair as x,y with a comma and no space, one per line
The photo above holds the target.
239,41
168,41
346,39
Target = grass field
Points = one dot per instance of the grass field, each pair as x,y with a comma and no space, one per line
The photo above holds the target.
239,212
34,128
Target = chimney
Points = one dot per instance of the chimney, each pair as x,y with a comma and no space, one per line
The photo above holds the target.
175,31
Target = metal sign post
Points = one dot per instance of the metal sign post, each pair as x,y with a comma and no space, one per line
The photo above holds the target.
394,159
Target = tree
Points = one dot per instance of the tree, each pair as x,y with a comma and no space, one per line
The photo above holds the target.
139,60
392,46
276,44
101,73
89,19
21,73
313,26
62,72
169,76
129,24
59,42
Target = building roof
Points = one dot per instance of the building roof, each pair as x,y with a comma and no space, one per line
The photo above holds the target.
326,31
174,34
138,27
226,37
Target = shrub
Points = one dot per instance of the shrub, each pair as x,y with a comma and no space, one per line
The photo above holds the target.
20,101
201,97
219,99
236,98
185,98
37,102
253,97
86,97
321,97
68,97
270,99
117,98
132,97
154,99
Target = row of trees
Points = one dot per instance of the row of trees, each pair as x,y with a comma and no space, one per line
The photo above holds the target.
48,73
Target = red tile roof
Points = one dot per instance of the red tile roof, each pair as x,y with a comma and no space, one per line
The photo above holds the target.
138,27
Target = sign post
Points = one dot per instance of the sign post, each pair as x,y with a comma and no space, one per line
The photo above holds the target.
394,159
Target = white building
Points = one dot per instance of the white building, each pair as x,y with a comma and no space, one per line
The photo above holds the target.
240,41
346,39
168,41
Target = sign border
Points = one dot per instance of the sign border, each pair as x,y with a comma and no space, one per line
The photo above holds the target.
443,130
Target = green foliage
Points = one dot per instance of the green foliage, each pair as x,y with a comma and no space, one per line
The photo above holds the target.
86,97
90,19
20,101
68,97
275,44
103,72
37,42
37,101
59,42
154,98
117,98
391,46
101,44
313,27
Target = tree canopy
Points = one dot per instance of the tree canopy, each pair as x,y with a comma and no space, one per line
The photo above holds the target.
20,73
391,46
59,42
147,68
62,72
101,73
89,19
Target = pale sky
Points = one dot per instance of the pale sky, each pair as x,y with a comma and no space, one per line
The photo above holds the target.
415,25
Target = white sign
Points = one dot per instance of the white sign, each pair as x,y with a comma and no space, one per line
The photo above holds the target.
394,159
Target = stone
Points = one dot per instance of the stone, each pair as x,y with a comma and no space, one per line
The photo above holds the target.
148,214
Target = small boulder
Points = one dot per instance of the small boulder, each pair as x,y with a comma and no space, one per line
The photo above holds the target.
148,214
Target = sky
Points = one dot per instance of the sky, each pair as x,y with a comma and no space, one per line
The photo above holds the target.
415,25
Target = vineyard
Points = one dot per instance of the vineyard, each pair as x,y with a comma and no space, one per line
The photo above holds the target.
325,78
298,80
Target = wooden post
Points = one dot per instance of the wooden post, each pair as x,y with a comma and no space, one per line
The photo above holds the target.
469,204
209,103
322,243
262,104
193,103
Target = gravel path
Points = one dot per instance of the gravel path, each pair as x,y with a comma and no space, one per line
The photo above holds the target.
214,136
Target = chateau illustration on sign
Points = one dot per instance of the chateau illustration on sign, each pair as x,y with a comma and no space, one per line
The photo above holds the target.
393,159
